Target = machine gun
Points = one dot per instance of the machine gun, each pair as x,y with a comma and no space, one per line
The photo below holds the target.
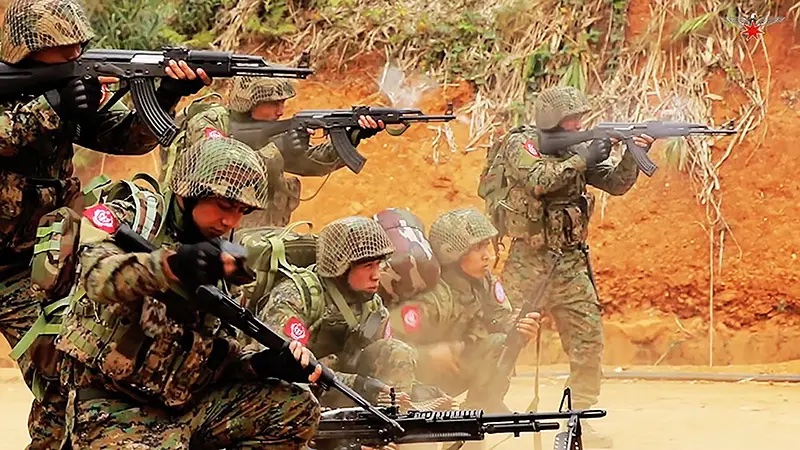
337,123
555,142
137,71
350,428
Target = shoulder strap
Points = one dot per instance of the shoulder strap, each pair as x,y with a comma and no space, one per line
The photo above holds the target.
265,279
310,287
341,304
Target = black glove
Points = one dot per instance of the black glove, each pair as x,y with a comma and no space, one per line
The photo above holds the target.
365,133
80,98
369,388
197,264
294,141
170,92
270,363
596,152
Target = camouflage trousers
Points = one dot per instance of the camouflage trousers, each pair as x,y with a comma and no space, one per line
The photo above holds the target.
388,360
571,300
477,375
265,414
19,308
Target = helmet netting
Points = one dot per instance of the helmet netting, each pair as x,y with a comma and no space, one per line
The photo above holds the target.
455,232
33,25
247,92
555,103
348,240
222,167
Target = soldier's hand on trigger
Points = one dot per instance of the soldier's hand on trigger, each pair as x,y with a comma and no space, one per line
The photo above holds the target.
303,354
596,152
195,264
528,325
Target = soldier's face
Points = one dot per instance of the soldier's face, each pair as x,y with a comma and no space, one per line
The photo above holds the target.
572,123
57,55
268,111
477,260
216,217
364,277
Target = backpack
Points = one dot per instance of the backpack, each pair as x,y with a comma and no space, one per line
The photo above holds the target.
274,253
55,268
412,268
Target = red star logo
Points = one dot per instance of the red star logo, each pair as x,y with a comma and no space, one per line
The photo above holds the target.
752,30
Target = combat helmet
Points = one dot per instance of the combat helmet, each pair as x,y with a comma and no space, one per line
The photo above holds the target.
247,92
454,232
33,25
222,167
349,240
555,103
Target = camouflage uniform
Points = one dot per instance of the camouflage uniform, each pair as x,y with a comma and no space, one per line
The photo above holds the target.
142,377
469,314
347,327
547,211
36,174
246,94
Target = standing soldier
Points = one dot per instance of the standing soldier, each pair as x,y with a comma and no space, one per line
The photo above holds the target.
36,172
261,100
542,203
144,375
459,327
334,308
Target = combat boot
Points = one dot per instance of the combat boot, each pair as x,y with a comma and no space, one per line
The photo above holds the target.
592,439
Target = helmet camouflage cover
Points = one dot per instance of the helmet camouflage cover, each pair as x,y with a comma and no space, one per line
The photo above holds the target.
33,25
555,103
348,240
455,232
247,92
222,167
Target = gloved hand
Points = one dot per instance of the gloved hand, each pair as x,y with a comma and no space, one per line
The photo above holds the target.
598,151
170,92
197,264
293,141
370,388
282,365
80,97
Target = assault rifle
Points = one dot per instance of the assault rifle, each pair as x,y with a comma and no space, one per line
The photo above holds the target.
137,71
212,300
555,142
336,123
350,428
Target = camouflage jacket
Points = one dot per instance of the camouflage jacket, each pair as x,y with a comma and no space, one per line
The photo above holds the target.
36,172
119,338
457,309
323,327
548,201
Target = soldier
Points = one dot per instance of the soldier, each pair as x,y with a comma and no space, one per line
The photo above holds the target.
141,375
333,307
546,211
36,172
253,100
459,327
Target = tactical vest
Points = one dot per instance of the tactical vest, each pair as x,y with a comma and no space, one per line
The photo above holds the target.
329,336
55,265
143,349
557,220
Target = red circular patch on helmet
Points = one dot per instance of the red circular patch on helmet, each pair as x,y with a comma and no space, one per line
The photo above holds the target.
296,330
